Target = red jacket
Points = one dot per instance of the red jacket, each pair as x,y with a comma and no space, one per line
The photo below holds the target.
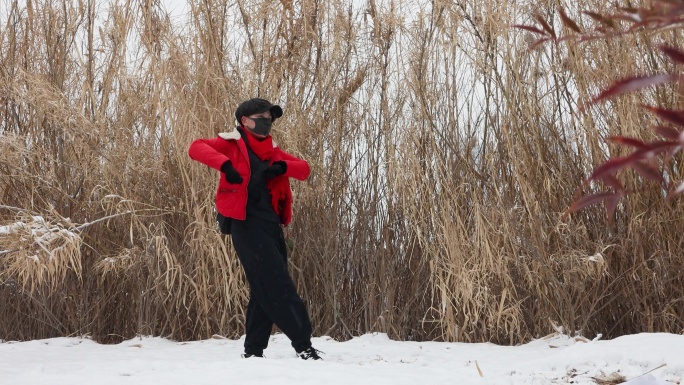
231,199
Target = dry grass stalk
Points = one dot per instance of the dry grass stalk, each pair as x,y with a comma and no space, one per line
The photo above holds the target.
38,254
443,153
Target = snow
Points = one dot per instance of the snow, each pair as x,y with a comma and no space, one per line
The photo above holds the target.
7,230
41,231
640,359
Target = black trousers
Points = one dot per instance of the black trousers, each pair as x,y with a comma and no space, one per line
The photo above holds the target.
261,248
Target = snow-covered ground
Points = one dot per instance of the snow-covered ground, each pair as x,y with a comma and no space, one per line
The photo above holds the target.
656,358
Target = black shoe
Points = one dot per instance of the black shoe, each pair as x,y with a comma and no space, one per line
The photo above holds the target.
310,354
250,355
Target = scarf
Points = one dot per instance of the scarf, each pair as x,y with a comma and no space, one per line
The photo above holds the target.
281,198
263,148
279,187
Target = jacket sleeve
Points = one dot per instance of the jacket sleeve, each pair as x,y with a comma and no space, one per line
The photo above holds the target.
296,168
207,151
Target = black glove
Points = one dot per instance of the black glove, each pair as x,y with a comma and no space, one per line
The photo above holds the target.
276,169
232,175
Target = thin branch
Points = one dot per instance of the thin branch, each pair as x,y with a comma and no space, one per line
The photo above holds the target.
84,225
11,208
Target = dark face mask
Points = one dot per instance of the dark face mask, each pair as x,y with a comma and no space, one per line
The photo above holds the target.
262,126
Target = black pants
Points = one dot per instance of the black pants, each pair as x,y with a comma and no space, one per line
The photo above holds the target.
273,298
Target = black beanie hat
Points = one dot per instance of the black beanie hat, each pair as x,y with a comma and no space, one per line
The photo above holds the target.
255,106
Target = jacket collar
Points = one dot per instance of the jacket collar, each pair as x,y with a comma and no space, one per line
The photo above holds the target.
235,135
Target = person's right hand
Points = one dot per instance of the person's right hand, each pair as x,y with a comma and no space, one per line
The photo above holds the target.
232,175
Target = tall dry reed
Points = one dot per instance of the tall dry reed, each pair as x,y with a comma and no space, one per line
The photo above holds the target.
443,153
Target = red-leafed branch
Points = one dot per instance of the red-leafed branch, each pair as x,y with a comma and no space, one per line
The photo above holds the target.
660,15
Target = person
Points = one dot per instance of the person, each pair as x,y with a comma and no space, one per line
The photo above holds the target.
254,201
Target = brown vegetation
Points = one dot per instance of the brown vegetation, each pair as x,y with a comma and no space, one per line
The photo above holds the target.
443,155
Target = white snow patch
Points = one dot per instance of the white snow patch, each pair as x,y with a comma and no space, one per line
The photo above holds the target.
369,359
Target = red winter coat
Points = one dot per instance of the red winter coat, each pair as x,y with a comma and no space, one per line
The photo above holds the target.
231,199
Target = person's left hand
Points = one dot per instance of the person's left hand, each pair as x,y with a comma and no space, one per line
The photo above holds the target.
276,169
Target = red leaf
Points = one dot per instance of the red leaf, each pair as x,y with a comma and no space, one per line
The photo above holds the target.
668,132
545,25
675,117
614,165
654,148
588,201
632,84
569,37
647,171
601,19
631,18
530,28
568,22
676,55
538,42
613,182
632,142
